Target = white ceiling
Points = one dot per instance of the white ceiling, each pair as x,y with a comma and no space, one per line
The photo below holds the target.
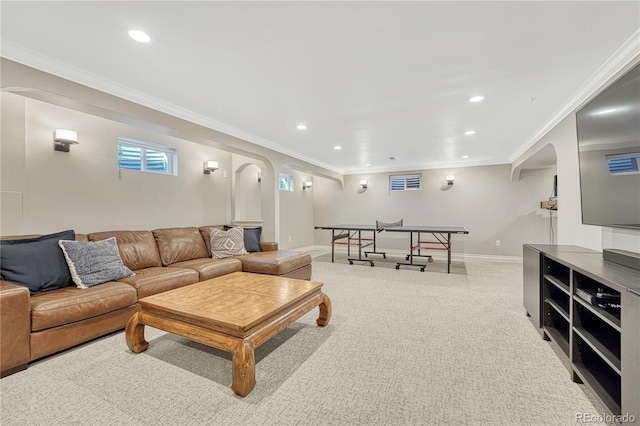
380,79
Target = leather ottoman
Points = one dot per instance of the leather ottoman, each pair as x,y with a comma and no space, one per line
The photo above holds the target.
291,264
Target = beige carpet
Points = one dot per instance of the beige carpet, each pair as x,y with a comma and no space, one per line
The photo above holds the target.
403,347
438,264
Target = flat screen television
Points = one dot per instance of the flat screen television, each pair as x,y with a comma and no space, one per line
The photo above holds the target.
609,154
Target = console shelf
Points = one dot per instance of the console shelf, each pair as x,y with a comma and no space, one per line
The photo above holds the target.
599,349
590,309
559,284
559,336
611,320
602,390
559,309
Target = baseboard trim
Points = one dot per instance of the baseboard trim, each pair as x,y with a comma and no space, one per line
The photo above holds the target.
438,256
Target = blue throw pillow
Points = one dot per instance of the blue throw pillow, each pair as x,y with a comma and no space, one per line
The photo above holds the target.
36,263
252,239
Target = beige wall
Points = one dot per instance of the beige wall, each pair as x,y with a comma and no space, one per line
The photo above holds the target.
483,199
84,190
297,211
247,191
12,165
248,194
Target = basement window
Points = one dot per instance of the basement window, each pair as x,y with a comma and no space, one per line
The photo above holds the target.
147,157
624,164
285,182
404,182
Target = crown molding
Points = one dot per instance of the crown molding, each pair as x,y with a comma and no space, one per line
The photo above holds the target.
52,66
425,166
616,62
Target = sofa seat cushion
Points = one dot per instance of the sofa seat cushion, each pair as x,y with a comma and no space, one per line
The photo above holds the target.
138,249
279,262
72,304
180,244
154,280
211,268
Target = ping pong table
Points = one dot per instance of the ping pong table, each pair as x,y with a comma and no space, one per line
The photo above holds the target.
417,245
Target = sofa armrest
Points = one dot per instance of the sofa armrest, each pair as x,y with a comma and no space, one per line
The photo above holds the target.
268,246
15,328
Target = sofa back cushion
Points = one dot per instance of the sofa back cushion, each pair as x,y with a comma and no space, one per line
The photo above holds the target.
180,244
138,249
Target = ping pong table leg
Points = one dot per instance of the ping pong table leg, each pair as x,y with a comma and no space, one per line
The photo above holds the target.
333,245
375,250
359,259
448,252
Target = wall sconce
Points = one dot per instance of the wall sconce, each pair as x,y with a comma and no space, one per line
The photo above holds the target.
63,138
210,166
259,177
450,179
307,184
363,183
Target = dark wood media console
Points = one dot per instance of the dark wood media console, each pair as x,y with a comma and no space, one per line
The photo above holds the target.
589,308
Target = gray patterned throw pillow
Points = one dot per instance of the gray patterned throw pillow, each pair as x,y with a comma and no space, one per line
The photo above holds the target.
227,243
95,262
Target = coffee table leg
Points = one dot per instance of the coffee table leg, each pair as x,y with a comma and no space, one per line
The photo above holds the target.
244,368
325,311
134,334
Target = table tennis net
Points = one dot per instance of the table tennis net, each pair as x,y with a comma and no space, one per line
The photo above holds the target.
380,226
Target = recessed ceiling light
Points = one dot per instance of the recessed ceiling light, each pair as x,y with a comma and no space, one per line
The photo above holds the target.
470,132
465,156
140,36
337,147
301,126
476,98
367,165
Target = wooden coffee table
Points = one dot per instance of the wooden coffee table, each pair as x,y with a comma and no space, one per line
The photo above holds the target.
235,313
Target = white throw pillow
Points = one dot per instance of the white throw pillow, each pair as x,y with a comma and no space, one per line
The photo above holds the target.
227,243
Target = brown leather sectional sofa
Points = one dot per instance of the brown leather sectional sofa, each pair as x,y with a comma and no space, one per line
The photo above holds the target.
34,326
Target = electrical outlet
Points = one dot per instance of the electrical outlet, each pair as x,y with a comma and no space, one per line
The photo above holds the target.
497,243
289,239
